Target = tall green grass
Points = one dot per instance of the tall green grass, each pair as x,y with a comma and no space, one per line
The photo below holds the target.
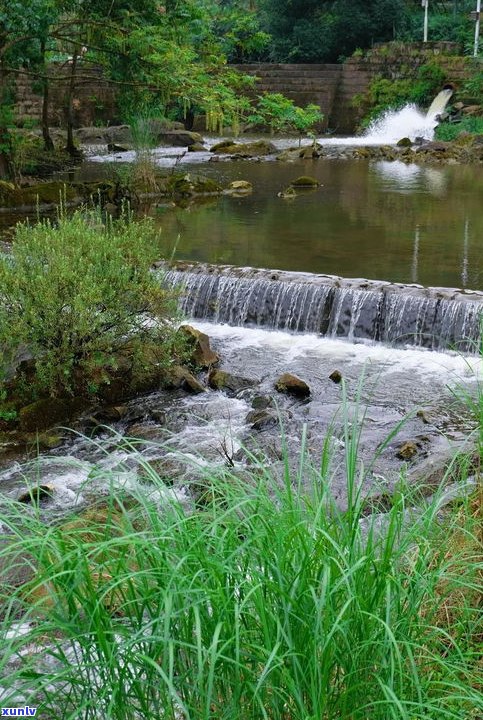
266,602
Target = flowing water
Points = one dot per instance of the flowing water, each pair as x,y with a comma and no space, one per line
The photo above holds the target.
405,227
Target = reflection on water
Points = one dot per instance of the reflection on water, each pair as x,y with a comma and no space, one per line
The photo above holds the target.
403,178
383,220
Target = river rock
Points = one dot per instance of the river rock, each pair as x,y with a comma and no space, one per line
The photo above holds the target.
91,135
183,138
192,184
304,181
292,385
245,150
118,135
240,186
221,380
180,377
200,352
260,419
35,494
336,376
262,402
407,450
404,142
197,147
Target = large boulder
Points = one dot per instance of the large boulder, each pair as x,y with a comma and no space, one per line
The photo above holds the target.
245,150
118,134
292,385
91,135
179,138
198,345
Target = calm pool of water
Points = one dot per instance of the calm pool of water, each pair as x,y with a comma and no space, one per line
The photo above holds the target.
381,220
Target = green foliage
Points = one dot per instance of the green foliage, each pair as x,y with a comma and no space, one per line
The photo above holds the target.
450,131
78,294
473,89
280,114
324,30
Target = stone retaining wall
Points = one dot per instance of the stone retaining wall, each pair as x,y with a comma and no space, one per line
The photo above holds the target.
94,99
332,87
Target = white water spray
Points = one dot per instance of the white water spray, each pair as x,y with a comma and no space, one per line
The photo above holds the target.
391,126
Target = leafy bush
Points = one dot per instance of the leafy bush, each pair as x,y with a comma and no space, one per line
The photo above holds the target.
80,294
450,131
473,89
281,115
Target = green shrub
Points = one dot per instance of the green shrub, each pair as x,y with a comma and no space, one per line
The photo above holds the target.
450,131
77,294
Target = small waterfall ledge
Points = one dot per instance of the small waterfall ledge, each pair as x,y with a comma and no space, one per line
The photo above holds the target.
331,306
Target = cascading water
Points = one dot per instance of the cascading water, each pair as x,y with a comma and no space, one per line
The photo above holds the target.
435,318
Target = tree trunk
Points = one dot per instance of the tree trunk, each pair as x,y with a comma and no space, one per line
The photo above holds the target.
70,146
6,149
48,144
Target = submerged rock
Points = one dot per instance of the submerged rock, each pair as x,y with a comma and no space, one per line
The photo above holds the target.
292,385
261,419
221,380
305,181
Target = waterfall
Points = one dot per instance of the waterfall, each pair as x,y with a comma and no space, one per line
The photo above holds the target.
396,314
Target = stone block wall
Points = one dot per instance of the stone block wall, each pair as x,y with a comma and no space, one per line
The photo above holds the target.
94,99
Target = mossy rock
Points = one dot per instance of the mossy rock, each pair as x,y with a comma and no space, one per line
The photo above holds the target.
218,147
190,184
49,193
404,142
48,412
245,150
305,181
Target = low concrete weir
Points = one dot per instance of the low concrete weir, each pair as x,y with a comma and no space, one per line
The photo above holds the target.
392,313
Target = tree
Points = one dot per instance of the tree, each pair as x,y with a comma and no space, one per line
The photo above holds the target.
324,30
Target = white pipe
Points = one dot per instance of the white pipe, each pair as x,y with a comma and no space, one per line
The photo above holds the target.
425,33
477,26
